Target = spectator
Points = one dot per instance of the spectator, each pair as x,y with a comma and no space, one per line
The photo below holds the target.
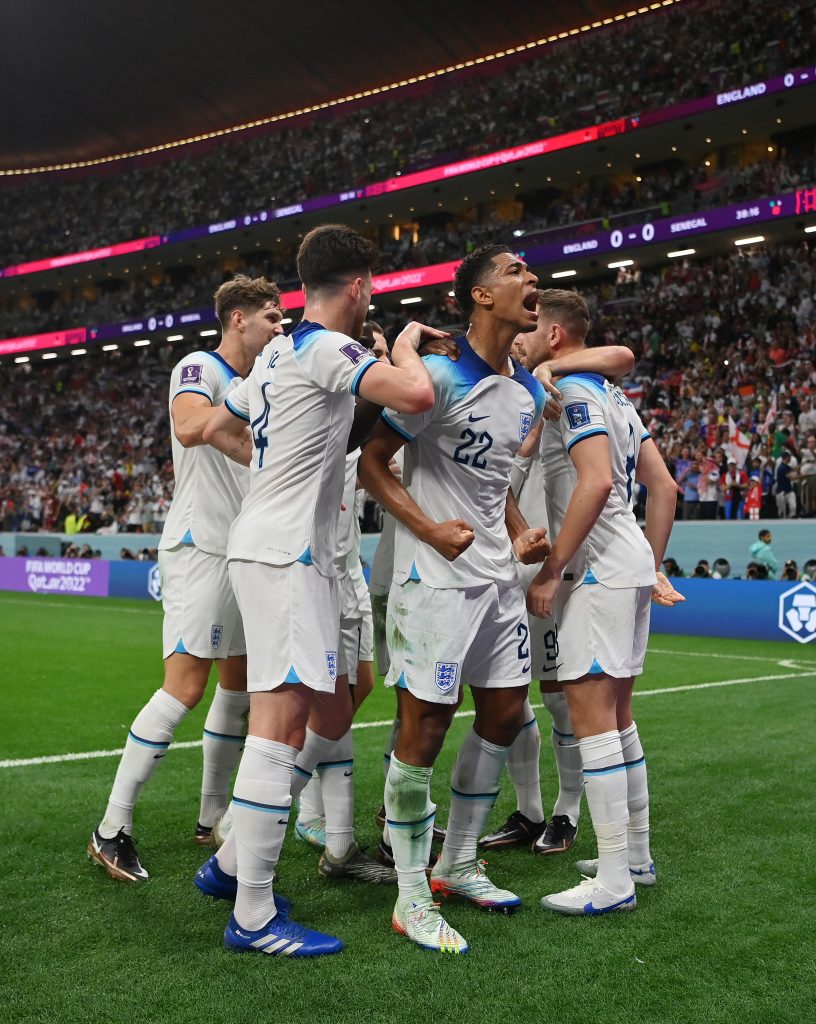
762,554
734,483
721,569
671,568
790,571
785,492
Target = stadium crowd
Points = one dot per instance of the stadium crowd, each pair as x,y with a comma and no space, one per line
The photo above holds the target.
594,77
677,187
729,337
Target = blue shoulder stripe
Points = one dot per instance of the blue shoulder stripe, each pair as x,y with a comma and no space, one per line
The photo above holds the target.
192,391
590,433
234,411
304,334
397,430
220,359
358,376
595,380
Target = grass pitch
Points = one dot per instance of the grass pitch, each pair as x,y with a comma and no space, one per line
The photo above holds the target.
726,935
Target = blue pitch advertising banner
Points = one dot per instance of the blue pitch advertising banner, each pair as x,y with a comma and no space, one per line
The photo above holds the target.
134,579
749,609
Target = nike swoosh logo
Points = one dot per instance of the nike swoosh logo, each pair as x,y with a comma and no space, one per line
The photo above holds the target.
156,757
526,668
350,772
475,419
283,821
421,834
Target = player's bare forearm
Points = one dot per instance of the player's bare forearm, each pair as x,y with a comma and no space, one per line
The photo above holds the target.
237,447
374,472
661,500
366,417
609,360
513,519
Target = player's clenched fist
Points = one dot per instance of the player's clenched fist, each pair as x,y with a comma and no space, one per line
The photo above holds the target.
531,546
451,538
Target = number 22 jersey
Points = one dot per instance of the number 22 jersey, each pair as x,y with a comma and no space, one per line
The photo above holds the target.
457,466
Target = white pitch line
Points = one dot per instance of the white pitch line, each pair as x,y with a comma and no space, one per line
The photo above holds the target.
91,755
726,657
78,607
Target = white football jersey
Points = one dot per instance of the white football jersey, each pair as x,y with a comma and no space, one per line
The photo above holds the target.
527,481
299,403
209,487
382,565
616,553
348,522
458,459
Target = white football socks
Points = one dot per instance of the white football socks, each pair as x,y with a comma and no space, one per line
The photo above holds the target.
605,783
310,803
410,815
567,758
523,766
637,796
261,811
146,745
316,748
224,734
337,784
390,743
474,788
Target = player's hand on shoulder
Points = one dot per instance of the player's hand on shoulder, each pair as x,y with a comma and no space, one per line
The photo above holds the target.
664,594
531,546
552,406
451,538
430,340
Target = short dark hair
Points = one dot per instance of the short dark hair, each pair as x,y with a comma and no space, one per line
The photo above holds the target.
567,308
332,254
246,293
370,328
764,533
472,271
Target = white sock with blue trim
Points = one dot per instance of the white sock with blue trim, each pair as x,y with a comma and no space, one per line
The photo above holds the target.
390,743
605,784
146,745
223,740
337,782
637,796
474,788
523,766
310,802
567,758
261,811
410,814
316,748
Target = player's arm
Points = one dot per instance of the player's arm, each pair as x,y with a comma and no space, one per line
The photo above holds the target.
608,360
450,538
190,413
591,459
404,386
228,433
661,507
529,545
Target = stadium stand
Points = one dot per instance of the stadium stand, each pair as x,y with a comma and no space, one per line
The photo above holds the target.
607,73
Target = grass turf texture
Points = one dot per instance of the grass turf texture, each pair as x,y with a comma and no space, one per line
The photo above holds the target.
725,936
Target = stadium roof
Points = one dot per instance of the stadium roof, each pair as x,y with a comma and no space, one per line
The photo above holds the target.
90,78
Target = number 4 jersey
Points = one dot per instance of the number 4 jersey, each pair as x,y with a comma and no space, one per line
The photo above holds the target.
616,552
457,466
298,402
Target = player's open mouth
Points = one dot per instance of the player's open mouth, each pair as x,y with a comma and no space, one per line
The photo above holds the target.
530,302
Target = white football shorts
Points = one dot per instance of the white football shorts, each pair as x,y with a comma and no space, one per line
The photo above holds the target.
439,639
379,608
602,630
292,625
543,633
200,611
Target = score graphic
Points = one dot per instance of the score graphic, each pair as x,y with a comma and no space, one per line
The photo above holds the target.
644,233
